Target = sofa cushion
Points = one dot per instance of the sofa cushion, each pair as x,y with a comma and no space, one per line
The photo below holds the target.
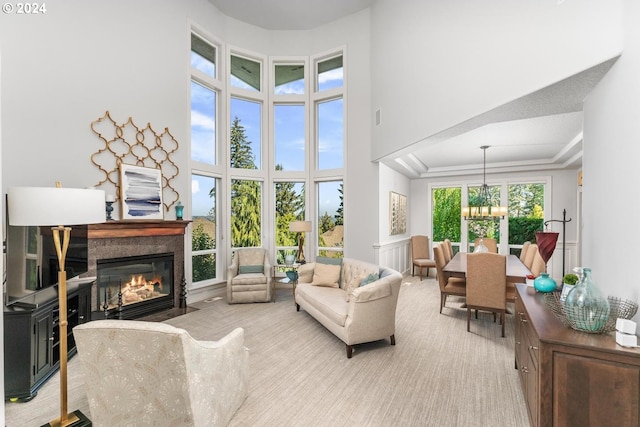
328,301
249,279
328,260
326,275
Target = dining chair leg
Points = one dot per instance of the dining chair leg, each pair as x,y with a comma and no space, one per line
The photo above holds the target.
502,318
469,318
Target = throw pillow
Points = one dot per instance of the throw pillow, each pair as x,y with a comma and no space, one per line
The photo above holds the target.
244,269
353,284
326,275
369,279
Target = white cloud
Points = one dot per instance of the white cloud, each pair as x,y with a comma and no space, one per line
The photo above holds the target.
195,186
335,74
200,120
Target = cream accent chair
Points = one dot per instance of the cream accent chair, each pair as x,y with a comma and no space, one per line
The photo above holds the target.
486,285
153,374
249,276
448,285
420,255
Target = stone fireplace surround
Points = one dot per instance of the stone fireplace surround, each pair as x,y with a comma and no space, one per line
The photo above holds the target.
118,239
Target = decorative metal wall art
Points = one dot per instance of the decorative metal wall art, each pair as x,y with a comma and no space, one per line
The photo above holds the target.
127,143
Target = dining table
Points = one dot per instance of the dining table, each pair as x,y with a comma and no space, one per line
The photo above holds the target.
517,272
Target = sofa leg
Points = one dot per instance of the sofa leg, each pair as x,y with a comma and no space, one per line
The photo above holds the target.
392,338
349,351
297,307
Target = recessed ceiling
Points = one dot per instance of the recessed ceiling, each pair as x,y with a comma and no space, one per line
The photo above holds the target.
539,131
289,14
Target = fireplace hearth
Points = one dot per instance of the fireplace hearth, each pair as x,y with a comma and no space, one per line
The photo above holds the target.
131,287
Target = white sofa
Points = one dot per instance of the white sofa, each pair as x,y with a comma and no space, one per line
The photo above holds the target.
355,314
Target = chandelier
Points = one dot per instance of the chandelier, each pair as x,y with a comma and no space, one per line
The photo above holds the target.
483,209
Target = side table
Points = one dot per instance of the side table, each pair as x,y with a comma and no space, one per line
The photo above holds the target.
276,279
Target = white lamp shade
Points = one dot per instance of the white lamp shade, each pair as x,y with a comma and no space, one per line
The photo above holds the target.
300,226
55,206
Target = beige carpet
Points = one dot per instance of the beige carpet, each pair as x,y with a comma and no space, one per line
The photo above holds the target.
436,375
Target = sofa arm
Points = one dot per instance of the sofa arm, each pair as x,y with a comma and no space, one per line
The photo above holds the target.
372,291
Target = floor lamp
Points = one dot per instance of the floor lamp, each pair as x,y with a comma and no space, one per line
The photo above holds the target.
53,206
300,227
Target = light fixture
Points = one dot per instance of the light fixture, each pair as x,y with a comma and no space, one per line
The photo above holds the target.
300,227
483,209
58,207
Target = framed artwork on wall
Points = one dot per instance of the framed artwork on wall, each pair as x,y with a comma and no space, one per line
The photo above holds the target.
140,192
397,213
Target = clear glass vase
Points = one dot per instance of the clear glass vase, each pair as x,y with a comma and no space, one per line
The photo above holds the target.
586,306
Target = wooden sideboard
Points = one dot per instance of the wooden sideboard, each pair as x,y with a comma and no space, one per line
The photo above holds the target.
572,378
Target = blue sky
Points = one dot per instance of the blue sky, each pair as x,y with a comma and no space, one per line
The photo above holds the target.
288,129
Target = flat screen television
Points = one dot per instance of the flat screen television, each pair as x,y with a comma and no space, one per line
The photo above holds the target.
31,261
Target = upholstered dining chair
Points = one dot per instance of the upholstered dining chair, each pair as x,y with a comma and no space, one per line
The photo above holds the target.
537,266
523,252
154,374
420,255
531,254
249,276
486,285
491,244
448,285
448,250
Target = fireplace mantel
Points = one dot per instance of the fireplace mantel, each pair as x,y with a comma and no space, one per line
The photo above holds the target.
136,228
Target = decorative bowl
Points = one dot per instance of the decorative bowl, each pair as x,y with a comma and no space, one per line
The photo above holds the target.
292,275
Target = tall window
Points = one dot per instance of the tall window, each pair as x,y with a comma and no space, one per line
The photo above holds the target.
203,238
446,215
526,214
289,137
484,228
330,134
290,207
205,170
330,219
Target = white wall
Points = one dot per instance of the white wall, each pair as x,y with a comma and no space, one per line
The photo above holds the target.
438,63
611,172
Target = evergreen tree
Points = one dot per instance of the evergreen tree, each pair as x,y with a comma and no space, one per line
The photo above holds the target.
339,213
204,266
326,223
245,194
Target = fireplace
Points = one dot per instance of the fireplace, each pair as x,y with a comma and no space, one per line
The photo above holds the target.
133,239
131,287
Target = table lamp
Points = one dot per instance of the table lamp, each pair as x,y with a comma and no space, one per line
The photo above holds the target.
300,227
58,207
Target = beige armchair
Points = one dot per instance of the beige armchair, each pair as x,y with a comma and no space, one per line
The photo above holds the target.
249,276
154,374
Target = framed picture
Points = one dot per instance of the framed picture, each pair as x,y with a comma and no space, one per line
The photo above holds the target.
397,213
140,192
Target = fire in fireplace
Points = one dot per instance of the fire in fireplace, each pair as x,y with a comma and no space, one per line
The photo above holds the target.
131,287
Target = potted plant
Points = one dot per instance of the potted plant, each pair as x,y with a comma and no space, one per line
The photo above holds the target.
568,282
